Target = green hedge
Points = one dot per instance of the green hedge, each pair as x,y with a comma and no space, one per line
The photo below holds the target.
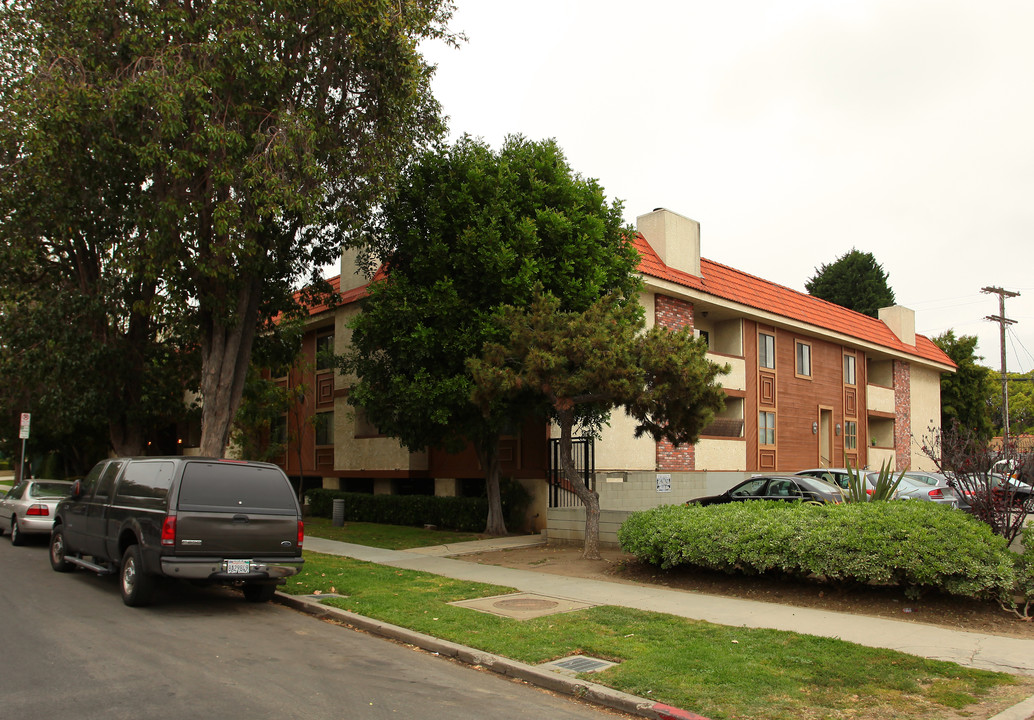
915,545
1025,567
464,514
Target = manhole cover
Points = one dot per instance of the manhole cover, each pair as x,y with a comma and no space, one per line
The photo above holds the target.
525,604
522,606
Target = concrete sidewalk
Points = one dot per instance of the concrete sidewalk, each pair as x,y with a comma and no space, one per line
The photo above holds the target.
989,652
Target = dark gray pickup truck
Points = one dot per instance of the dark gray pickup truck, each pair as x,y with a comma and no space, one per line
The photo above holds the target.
199,519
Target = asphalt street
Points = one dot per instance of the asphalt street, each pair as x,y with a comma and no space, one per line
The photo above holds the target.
70,648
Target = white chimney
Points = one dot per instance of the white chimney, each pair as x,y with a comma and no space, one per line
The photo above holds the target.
675,239
351,276
901,321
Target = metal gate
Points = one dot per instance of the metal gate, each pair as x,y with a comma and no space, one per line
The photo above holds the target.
584,451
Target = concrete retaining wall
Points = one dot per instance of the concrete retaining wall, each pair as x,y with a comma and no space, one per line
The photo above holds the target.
622,493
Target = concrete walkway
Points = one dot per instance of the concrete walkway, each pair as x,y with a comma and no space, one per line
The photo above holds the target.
989,652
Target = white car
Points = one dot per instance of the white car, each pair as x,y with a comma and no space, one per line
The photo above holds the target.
28,508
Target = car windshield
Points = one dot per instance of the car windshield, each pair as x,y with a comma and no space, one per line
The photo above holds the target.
49,490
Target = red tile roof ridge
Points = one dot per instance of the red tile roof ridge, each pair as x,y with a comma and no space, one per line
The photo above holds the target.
747,289
738,286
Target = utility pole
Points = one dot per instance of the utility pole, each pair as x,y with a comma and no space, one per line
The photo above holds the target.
1002,323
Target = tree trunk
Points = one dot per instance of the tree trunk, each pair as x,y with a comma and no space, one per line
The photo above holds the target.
127,440
488,454
225,355
589,498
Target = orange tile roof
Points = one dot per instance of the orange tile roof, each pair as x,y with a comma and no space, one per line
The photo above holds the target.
724,282
729,284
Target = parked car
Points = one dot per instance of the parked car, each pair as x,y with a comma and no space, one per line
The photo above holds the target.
838,476
28,508
1010,488
200,519
928,486
777,487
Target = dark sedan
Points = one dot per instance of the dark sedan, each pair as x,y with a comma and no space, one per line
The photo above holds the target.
787,488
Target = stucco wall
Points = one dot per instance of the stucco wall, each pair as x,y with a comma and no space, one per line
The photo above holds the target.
640,490
362,454
618,448
721,454
879,398
926,412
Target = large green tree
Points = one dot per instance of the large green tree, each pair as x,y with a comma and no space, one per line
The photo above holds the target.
581,364
472,230
966,392
1021,402
216,151
854,280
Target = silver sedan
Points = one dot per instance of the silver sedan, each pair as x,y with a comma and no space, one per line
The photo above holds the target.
928,486
28,508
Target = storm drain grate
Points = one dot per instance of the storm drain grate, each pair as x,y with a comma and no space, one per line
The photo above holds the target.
577,664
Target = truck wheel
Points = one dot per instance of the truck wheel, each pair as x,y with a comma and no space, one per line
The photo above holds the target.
258,592
57,552
136,585
16,534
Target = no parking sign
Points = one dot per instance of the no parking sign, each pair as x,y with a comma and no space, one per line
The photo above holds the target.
23,429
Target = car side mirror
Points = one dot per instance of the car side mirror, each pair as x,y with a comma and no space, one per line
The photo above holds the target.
77,490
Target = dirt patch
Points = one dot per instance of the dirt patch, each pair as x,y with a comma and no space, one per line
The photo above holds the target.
617,566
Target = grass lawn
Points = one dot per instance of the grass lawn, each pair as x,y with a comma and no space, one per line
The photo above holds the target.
391,537
717,671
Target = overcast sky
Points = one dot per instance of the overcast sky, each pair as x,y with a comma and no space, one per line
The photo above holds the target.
791,130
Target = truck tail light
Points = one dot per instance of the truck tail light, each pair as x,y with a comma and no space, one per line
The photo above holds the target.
301,533
38,510
169,531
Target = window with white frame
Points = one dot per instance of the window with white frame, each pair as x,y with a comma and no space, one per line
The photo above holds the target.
803,367
849,369
850,435
766,351
766,428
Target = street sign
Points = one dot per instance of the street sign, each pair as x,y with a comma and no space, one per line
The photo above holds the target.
23,429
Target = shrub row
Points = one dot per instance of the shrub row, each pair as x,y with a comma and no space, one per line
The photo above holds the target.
464,514
918,546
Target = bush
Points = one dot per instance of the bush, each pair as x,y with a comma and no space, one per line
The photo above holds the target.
1025,573
918,546
449,513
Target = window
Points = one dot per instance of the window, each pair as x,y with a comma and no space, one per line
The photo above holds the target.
278,433
766,350
849,369
107,481
325,351
145,484
243,487
325,428
803,359
850,435
766,428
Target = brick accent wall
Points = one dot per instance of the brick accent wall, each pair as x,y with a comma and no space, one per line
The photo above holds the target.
902,415
672,312
676,314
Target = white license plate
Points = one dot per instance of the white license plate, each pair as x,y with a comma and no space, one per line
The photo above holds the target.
237,567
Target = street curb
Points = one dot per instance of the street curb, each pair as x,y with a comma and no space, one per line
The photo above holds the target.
547,679
1020,711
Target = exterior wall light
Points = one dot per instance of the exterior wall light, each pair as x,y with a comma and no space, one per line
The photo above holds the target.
814,428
